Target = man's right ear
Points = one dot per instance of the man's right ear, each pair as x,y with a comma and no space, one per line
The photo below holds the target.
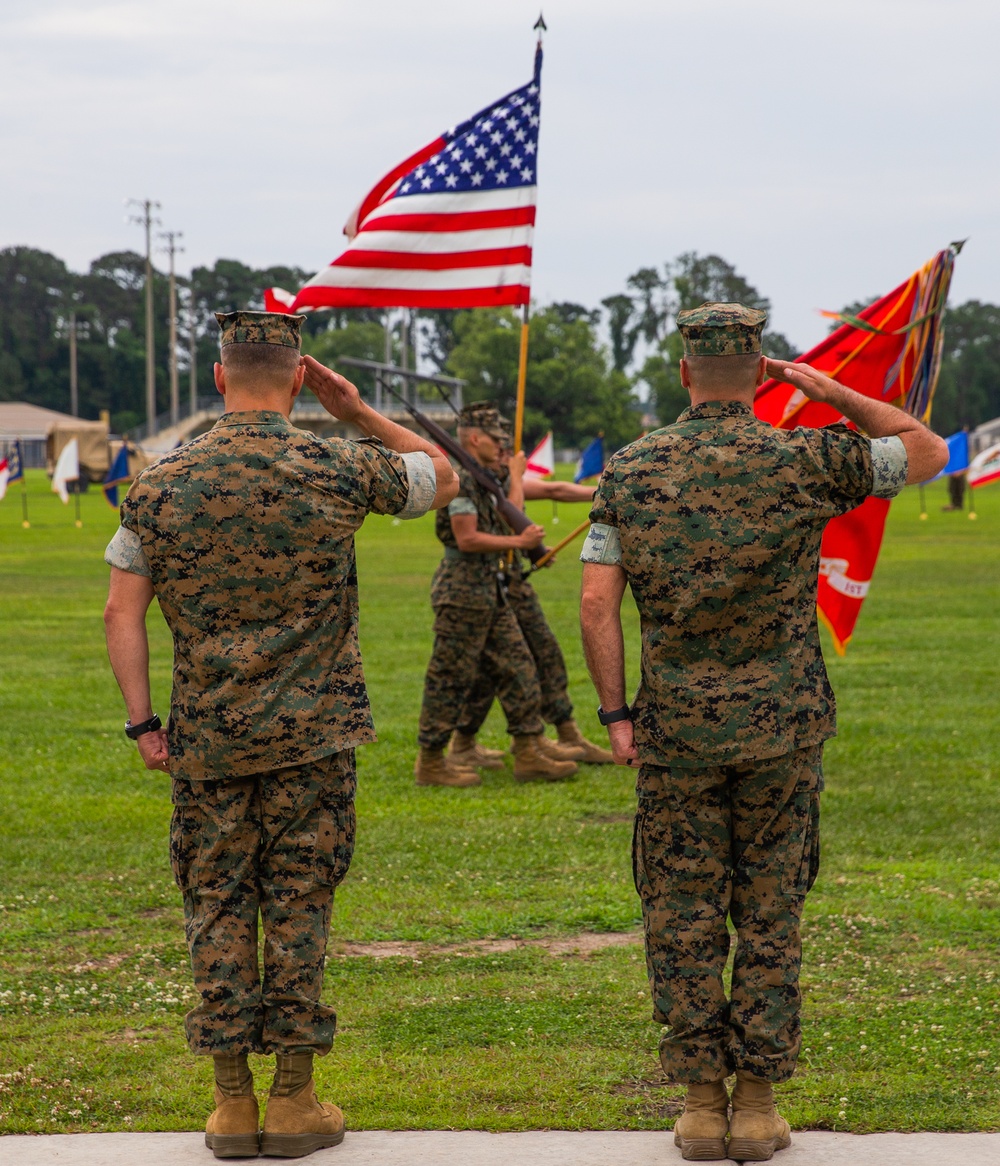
220,378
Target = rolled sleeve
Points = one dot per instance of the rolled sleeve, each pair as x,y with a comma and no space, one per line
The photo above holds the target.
422,478
602,545
461,505
125,552
890,464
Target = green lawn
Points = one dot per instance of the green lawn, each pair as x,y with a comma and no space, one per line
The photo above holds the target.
902,930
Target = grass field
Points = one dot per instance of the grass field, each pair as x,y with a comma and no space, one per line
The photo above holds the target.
443,1024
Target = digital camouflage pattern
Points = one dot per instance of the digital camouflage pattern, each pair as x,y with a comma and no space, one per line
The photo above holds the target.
248,532
741,840
274,844
550,665
259,328
482,415
464,640
721,329
473,621
720,518
465,579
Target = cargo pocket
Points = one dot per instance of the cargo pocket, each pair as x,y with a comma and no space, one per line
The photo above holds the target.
802,854
337,822
639,877
183,846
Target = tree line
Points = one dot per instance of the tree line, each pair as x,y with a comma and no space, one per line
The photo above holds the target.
590,370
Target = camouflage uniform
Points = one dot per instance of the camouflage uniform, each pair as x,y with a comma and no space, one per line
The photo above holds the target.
247,534
550,665
473,621
716,521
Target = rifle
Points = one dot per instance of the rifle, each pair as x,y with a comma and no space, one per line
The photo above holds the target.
516,519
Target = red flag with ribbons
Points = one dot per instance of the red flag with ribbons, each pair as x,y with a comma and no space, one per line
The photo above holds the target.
891,352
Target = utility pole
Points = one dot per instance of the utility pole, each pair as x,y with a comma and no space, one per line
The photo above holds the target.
172,249
193,351
74,393
147,220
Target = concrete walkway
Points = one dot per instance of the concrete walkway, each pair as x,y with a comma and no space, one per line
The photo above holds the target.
554,1148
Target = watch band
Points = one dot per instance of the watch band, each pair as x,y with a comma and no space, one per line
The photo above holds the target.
150,726
622,714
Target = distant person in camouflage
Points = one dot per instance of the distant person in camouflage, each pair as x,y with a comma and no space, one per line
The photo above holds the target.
715,522
245,536
473,620
553,681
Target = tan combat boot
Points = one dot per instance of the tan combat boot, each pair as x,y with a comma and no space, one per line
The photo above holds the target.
533,763
432,768
233,1129
569,734
701,1129
466,752
756,1129
297,1125
558,751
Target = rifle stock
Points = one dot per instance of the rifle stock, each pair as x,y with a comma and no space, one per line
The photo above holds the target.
516,519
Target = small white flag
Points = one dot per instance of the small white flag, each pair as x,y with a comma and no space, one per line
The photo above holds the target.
67,469
542,459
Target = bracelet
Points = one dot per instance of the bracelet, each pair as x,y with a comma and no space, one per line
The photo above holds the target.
622,714
150,726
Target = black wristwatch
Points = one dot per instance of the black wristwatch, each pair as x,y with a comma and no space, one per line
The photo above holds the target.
622,714
150,726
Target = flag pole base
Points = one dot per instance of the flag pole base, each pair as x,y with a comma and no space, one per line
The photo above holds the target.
26,524
78,524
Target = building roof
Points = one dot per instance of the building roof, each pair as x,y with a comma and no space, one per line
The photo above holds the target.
19,419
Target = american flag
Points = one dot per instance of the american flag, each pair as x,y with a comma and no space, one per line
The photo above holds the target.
450,227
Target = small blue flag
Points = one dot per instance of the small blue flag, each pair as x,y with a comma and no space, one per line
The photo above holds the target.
591,461
958,453
16,463
116,476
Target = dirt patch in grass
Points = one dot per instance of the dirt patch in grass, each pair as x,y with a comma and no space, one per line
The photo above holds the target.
648,1096
104,964
583,944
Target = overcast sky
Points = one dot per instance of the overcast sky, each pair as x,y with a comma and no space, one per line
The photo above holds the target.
825,148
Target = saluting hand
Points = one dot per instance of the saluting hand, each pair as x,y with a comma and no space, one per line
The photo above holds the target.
336,393
814,384
153,750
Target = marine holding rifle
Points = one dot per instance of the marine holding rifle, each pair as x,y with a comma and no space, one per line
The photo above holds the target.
473,621
553,680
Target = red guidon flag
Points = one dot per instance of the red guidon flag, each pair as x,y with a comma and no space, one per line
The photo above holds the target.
891,352
451,226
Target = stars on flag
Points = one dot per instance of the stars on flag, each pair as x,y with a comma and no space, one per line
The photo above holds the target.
494,149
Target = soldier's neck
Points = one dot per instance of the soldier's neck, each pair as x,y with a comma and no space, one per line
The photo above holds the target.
704,396
242,401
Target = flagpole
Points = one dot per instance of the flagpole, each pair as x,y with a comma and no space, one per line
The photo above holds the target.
76,499
923,505
522,377
24,500
547,558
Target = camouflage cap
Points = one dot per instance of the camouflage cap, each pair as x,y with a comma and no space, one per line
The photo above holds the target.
721,329
482,415
259,328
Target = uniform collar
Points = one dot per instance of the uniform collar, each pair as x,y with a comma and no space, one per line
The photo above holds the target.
262,418
716,409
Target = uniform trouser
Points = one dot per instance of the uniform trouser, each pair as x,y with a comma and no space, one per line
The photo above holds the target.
550,666
738,840
272,845
461,637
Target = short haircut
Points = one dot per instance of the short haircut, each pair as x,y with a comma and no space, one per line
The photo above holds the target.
714,373
267,365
